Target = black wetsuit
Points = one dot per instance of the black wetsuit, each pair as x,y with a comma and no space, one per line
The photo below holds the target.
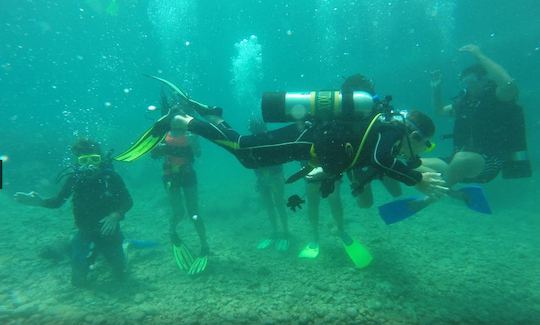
94,197
485,125
334,146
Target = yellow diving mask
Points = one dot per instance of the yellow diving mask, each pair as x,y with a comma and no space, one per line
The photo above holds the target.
93,159
430,146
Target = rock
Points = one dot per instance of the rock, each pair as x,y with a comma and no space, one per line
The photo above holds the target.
150,310
25,309
373,304
264,289
321,287
267,321
263,271
351,312
89,318
243,311
137,315
139,298
303,319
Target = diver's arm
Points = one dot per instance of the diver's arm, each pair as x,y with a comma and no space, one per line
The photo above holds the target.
384,158
159,151
506,86
124,201
436,88
31,198
58,200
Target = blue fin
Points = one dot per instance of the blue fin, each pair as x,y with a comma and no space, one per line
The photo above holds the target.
475,198
401,209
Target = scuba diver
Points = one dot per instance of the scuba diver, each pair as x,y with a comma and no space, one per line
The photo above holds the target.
271,188
100,200
489,137
178,150
331,144
359,177
485,115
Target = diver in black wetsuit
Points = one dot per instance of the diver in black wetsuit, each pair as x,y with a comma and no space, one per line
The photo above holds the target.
100,200
489,129
333,146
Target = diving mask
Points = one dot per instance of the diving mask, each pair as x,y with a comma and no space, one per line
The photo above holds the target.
87,160
430,146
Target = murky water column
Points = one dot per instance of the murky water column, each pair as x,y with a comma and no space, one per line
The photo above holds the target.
175,24
442,12
247,74
378,18
326,14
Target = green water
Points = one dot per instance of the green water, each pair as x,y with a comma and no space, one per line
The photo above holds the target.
76,68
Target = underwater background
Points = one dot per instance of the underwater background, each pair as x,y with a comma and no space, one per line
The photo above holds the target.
77,68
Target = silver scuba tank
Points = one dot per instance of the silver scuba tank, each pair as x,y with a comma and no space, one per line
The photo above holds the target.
324,105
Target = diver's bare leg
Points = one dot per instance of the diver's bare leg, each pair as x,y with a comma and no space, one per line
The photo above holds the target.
313,200
278,191
336,207
192,204
464,165
365,198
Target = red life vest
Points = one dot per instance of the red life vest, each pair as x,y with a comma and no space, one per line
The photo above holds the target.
180,153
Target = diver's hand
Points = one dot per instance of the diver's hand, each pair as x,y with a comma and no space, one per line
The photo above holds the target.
436,78
327,187
110,223
432,185
183,119
471,48
31,198
316,174
159,151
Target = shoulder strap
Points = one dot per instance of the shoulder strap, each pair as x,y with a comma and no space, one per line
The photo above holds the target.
364,138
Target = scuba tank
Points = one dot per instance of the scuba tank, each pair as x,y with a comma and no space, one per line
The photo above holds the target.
517,163
323,105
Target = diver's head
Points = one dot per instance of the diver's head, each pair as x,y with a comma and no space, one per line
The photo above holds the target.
88,154
420,130
473,79
358,82
178,125
257,126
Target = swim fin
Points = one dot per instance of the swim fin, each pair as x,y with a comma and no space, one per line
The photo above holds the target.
265,243
475,198
182,256
357,252
201,109
151,138
401,209
310,251
282,245
198,265
299,174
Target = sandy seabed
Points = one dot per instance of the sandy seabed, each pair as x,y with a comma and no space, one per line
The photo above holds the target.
445,265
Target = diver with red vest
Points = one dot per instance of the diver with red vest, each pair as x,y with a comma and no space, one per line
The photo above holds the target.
178,150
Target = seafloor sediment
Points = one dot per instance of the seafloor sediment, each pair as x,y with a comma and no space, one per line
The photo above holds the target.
445,265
